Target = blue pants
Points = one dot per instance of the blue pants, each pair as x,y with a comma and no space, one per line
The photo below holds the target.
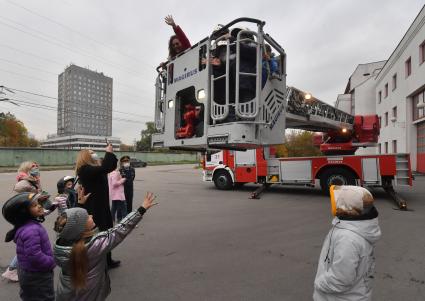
14,263
119,209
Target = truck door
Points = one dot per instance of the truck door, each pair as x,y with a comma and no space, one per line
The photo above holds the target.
245,166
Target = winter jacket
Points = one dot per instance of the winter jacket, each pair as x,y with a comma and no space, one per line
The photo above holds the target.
269,67
346,265
98,282
94,179
27,184
116,186
129,173
33,248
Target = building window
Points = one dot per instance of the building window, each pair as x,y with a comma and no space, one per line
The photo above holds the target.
394,81
422,53
379,148
386,90
418,105
408,66
394,117
386,147
386,118
394,146
379,96
380,121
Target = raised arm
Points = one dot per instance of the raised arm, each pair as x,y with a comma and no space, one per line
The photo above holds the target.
179,32
107,240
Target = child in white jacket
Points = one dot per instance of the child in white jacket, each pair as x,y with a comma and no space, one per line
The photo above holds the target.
346,264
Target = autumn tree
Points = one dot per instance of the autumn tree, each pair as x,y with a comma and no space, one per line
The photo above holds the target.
300,144
126,147
145,142
14,133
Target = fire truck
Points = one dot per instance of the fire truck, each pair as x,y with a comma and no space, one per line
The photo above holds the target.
244,109
229,169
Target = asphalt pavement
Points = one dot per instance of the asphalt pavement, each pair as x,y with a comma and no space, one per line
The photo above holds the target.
204,244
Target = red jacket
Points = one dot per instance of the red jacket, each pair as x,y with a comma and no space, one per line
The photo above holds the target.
182,38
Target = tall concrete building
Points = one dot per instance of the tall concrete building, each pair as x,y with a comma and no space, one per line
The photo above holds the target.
84,116
84,103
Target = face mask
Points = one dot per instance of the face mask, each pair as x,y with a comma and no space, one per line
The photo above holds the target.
94,156
35,172
126,164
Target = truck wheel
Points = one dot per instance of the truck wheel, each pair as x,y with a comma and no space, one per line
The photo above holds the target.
222,180
336,176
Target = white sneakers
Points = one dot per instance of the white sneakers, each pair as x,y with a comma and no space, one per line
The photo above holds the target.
11,275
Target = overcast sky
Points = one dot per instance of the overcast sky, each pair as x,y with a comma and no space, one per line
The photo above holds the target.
324,41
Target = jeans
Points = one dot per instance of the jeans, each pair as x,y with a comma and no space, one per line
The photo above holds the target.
119,209
14,263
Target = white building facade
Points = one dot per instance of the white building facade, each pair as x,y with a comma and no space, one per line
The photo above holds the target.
396,93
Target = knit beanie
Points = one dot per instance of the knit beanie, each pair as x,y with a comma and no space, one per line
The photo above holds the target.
76,220
349,200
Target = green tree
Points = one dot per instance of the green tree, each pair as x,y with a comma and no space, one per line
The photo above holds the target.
300,144
14,133
145,142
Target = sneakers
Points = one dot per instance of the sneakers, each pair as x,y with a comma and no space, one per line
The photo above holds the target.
11,275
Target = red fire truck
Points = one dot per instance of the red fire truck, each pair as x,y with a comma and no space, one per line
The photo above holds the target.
230,168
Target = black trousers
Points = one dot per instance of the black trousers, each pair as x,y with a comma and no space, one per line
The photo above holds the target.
36,286
128,192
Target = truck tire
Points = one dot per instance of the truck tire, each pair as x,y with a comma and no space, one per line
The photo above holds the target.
222,180
336,176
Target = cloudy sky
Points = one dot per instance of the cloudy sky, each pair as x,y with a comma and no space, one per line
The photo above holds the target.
324,41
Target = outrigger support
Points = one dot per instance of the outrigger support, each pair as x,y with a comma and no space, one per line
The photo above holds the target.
389,189
256,194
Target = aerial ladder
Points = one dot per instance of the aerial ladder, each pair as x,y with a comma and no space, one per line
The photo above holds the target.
199,109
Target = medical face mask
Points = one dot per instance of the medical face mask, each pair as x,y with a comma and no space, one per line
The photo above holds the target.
127,164
35,172
94,156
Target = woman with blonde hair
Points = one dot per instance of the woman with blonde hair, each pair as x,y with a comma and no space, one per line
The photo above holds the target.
28,178
93,177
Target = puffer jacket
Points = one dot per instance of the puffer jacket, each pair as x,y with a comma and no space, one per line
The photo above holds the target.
98,282
33,248
116,186
346,265
27,184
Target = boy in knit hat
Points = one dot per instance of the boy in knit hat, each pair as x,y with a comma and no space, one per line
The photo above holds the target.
346,264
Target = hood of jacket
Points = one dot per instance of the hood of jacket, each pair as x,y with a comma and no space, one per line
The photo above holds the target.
368,229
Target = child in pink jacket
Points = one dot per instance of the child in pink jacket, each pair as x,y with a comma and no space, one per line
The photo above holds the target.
116,195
